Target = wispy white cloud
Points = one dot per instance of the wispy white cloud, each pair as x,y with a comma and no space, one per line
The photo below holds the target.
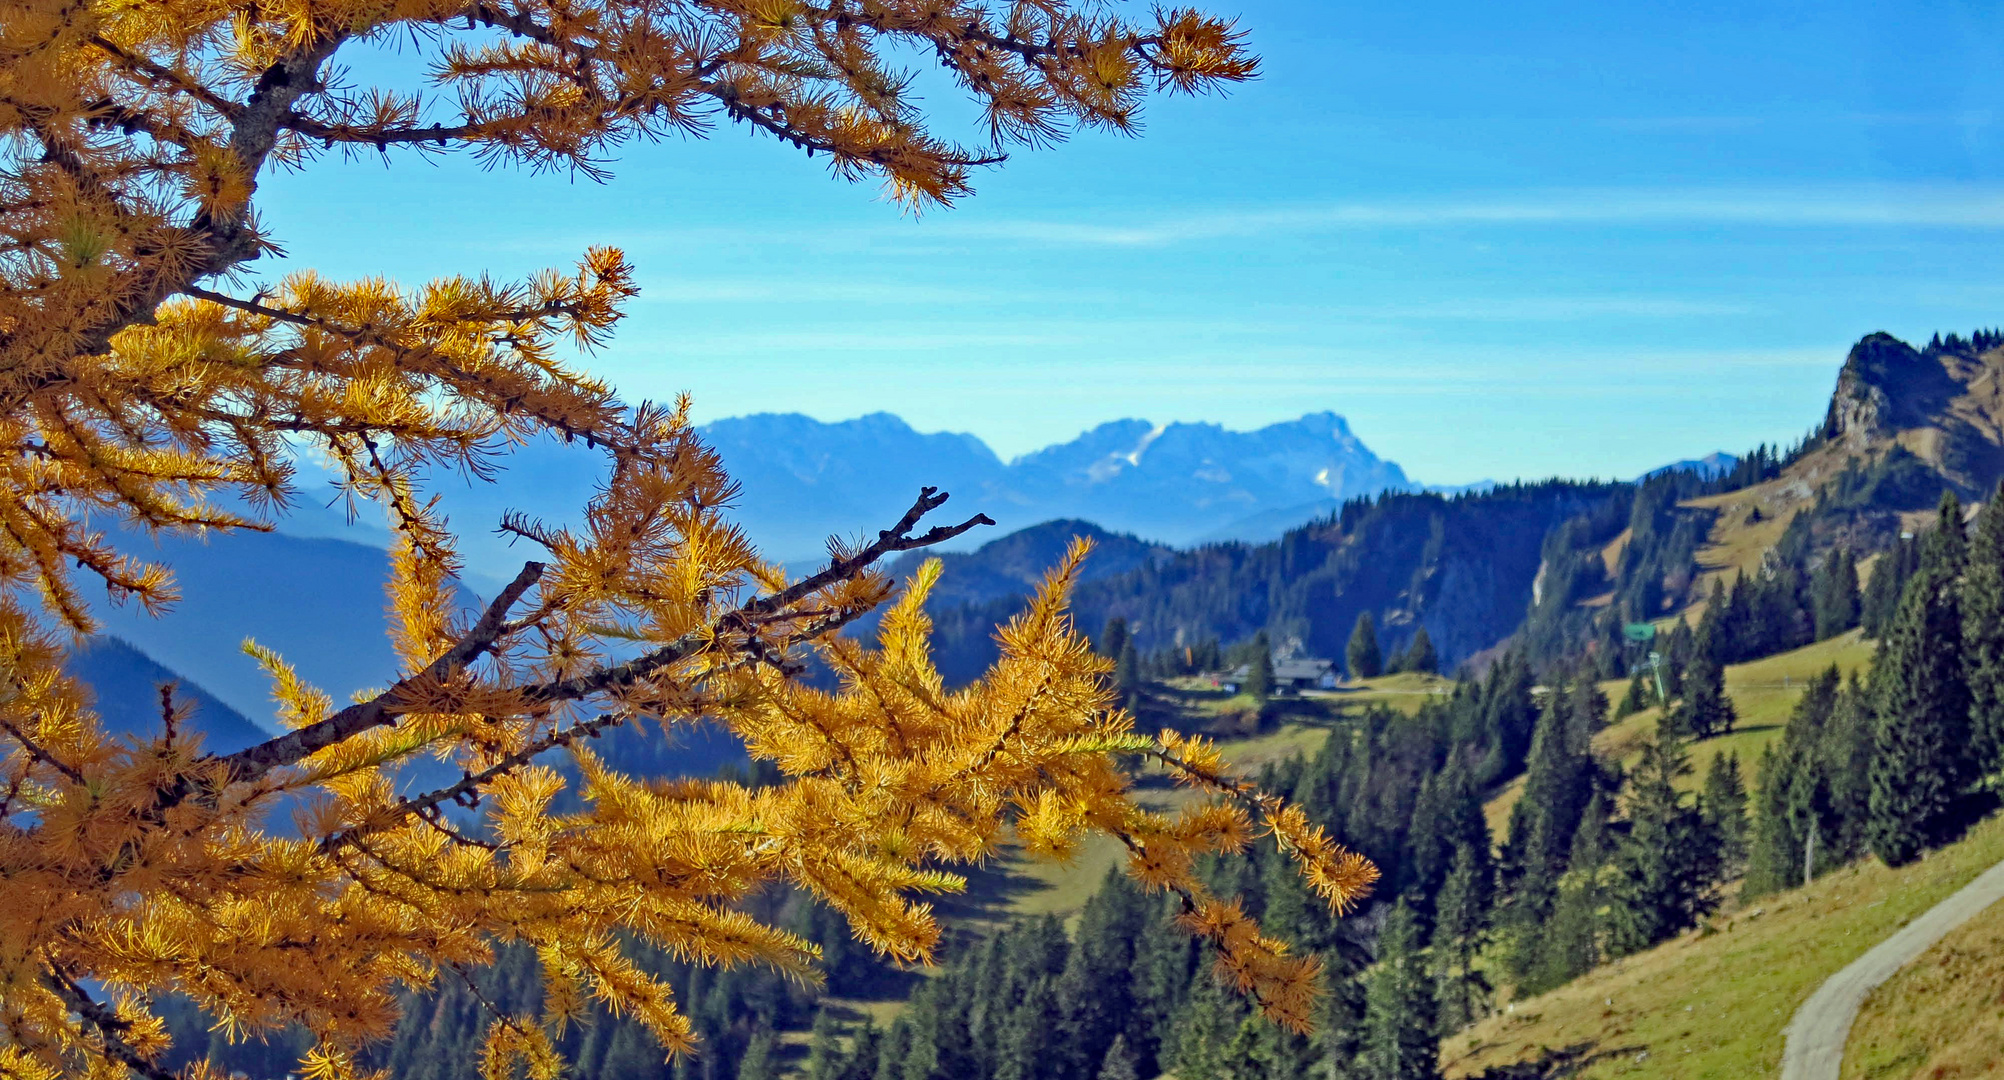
1894,206
1546,309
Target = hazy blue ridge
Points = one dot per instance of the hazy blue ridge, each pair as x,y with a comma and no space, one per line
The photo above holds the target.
125,686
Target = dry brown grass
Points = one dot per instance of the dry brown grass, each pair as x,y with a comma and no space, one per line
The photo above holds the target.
1942,1017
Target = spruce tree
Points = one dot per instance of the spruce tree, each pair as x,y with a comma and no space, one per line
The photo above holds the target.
1363,657
1890,574
825,1056
1983,634
1460,930
1509,716
1667,863
1723,804
1119,1062
1400,1041
1420,655
1847,752
1024,1051
1588,711
1796,791
1706,710
1095,990
1114,638
1945,546
1834,594
1921,758
1559,780
1339,1037
1572,942
865,1050
1251,1054
1209,1023
1165,962
1637,696
1127,670
759,1061
1259,668
1771,858
891,1051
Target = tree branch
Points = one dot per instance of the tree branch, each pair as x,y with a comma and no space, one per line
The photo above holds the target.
36,751
896,538
472,782
293,747
109,1027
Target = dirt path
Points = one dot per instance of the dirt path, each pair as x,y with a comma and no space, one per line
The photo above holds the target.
1817,1035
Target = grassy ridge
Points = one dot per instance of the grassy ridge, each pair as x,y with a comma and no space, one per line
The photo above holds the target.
1763,690
1712,1005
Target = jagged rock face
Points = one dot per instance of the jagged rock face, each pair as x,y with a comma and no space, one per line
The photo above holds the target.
1885,386
1945,403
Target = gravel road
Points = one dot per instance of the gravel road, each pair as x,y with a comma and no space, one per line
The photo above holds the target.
1817,1035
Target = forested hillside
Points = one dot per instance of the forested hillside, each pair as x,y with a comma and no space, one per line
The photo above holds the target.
1604,852
1463,567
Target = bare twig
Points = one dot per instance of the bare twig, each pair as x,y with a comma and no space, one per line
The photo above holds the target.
109,1027
293,747
36,751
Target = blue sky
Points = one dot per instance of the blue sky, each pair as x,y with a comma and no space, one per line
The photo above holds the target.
1504,240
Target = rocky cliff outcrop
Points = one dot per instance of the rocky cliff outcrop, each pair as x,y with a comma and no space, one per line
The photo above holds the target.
1944,402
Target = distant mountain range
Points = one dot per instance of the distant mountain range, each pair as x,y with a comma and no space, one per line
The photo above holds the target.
1177,484
804,480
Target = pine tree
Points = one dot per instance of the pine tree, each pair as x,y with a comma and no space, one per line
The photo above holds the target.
1573,939
825,1056
758,1062
1363,656
1890,574
1460,930
1119,1063
1420,654
1126,671
1667,863
1114,638
1983,634
1399,1040
865,1049
1921,758
1707,710
1723,805
1835,597
1259,668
